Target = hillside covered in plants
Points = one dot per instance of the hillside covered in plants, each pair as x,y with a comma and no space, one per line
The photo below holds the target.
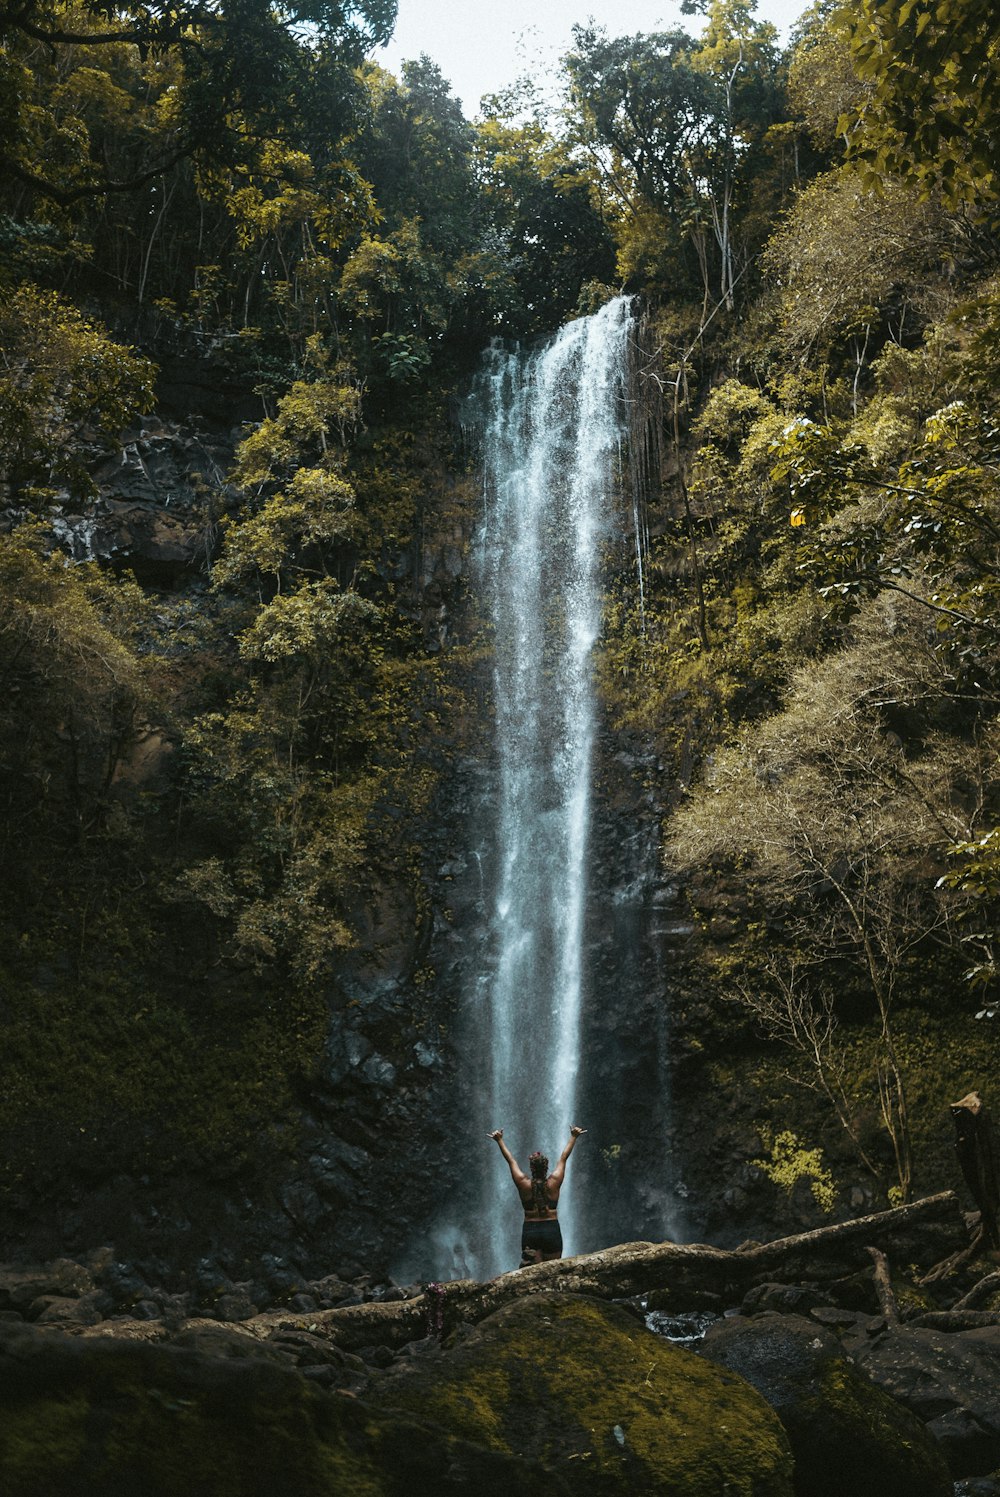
247,278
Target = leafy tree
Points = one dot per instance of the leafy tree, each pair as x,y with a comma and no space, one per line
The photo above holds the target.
638,109
418,153
302,782
822,84
931,116
396,290
72,687
924,526
848,266
61,377
739,56
831,824
674,128
546,238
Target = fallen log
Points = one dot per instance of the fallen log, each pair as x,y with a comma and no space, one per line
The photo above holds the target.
633,1269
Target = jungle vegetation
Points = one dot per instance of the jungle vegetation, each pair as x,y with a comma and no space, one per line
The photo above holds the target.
814,233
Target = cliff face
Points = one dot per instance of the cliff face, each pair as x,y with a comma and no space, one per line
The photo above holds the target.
165,1092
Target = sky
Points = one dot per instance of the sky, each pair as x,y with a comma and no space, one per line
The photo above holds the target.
483,45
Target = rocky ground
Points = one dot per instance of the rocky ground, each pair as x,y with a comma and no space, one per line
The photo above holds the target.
813,1385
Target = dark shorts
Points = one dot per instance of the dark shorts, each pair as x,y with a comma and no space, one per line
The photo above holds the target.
541,1237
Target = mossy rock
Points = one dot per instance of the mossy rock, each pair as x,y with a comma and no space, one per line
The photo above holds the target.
584,1388
105,1418
846,1434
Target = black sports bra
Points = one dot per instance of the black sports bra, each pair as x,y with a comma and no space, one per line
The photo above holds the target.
530,1204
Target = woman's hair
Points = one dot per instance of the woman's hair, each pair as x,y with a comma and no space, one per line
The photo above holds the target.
539,1164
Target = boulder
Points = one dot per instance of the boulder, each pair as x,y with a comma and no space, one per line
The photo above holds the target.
24,1287
788,1299
91,1418
949,1381
846,1434
602,1402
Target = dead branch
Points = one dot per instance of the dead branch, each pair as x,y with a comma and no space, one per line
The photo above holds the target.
883,1286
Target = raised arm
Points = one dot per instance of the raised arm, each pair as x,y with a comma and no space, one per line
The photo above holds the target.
517,1174
559,1172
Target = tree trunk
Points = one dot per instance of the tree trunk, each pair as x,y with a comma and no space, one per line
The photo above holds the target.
977,1158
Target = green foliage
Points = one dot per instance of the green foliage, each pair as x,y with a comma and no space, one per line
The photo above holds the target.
61,379
845,262
822,84
73,689
235,80
930,117
546,236
790,1161
923,519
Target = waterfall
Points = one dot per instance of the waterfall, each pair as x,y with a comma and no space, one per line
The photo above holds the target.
553,426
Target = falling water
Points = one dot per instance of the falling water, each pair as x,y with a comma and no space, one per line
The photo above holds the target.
554,423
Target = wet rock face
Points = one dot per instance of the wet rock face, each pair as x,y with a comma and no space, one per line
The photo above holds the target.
156,495
601,1402
846,1434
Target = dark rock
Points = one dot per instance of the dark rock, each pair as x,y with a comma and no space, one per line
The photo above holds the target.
303,1205
21,1287
330,1291
236,1305
99,1259
126,1287
220,1341
836,1319
784,1299
968,1445
177,1306
845,1433
52,1309
378,1071
146,1309
855,1292
302,1304
938,1375
377,1356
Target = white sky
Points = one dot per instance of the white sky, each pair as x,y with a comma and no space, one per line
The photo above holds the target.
483,45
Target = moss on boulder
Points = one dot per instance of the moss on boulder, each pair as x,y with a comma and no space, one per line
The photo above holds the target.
92,1418
584,1388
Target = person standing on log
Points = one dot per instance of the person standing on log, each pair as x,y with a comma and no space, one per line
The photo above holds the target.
541,1236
